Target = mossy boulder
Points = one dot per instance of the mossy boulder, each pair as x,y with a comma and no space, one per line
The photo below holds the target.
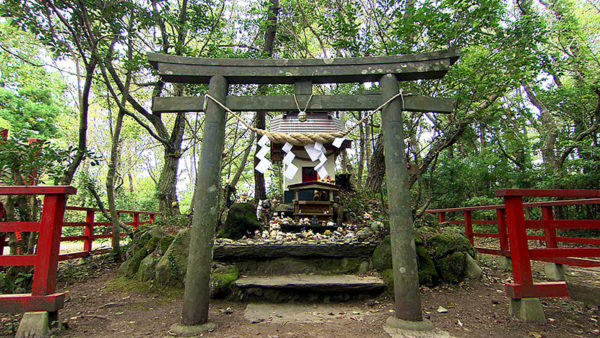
241,220
452,267
130,267
172,266
382,256
221,280
147,267
382,261
428,274
164,244
388,279
449,241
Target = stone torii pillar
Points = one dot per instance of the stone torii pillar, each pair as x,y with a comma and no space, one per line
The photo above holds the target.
406,273
206,212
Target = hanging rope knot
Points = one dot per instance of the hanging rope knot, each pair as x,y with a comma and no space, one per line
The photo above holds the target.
302,139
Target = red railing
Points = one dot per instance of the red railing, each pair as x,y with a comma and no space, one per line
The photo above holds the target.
45,261
514,240
46,257
90,224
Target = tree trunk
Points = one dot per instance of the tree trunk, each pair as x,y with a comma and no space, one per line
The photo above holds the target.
259,179
110,187
84,105
376,167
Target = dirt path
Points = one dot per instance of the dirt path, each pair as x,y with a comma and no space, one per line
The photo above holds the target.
103,305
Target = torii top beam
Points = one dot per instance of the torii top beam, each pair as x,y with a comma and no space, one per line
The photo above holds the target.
180,69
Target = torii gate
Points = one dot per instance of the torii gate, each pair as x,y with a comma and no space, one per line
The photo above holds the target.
219,73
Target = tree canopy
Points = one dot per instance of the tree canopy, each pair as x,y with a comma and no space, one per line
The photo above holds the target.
527,90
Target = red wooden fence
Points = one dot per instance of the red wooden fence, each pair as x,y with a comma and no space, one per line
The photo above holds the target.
89,225
514,240
45,260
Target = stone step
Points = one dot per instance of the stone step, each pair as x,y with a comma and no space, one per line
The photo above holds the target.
309,287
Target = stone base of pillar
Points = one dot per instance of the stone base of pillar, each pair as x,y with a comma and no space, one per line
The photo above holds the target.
527,309
192,330
555,272
34,324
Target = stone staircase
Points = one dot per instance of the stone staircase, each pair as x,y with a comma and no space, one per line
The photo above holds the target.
311,288
302,272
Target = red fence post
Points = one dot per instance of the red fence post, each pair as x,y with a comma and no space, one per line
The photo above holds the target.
469,227
44,278
151,218
136,220
89,230
502,235
442,217
553,271
519,248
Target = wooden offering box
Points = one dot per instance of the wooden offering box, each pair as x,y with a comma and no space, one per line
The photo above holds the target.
322,204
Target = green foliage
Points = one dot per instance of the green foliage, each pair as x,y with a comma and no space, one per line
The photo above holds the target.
20,161
31,98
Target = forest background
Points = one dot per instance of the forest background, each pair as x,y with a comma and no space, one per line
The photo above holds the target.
74,74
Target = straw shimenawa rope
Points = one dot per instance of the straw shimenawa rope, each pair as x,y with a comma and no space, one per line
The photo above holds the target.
302,139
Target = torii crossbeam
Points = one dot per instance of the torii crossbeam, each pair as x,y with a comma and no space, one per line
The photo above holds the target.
219,73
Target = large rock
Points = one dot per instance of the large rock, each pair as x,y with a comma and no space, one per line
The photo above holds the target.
241,220
172,266
147,267
449,241
452,267
382,261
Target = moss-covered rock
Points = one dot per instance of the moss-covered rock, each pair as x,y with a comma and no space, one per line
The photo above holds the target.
130,267
382,256
452,267
382,261
449,241
147,267
221,280
164,244
241,220
172,266
428,274
388,278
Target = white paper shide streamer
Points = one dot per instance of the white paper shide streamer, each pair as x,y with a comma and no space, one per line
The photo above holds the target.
291,169
264,163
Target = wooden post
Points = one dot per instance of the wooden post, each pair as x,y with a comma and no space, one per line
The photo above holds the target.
553,271
442,217
519,248
89,230
151,218
136,220
404,259
469,227
44,277
206,207
502,233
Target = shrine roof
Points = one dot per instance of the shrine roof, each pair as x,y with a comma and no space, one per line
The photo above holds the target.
316,123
